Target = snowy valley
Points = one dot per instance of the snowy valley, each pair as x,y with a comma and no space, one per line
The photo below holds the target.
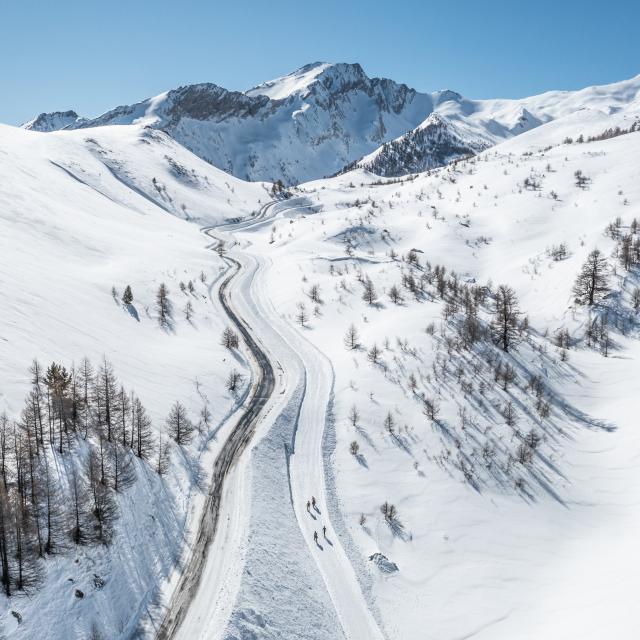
399,331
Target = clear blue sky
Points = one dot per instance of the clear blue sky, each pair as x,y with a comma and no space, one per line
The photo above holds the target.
91,56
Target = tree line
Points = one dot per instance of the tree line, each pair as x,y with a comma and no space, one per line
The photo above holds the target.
64,460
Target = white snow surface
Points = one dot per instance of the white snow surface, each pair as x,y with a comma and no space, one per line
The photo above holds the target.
79,216
478,559
488,551
296,82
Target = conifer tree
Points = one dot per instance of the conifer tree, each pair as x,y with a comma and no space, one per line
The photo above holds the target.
127,296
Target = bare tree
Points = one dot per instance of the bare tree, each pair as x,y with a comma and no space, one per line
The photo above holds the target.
163,457
395,295
163,305
591,283
389,512
509,414
103,506
389,423
431,408
229,339
302,316
178,424
373,354
352,338
369,294
141,434
505,323
314,294
188,311
233,381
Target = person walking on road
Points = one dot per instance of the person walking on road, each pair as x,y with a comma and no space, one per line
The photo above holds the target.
324,532
313,502
315,537
308,504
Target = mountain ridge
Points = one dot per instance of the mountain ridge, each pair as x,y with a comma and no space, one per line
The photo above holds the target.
323,118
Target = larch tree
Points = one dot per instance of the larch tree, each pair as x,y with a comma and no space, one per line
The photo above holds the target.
127,296
591,283
369,294
505,320
178,424
163,305
229,338
352,338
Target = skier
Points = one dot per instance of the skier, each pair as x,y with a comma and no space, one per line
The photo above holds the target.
315,537
313,502
324,532
308,504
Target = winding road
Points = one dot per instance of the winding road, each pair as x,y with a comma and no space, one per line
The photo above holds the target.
232,448
306,471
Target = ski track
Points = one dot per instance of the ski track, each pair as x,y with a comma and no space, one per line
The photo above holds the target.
305,464
287,458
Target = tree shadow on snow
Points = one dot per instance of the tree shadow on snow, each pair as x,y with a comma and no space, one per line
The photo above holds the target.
397,529
192,466
365,436
402,443
362,461
133,312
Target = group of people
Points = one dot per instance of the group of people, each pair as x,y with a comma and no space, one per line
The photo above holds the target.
312,504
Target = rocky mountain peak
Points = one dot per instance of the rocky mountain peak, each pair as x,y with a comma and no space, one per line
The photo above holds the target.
53,121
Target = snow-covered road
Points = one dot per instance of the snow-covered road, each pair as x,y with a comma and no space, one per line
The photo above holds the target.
232,448
205,598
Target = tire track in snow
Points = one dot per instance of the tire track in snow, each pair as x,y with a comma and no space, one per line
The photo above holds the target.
231,449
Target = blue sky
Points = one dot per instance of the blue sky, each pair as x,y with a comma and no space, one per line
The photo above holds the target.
90,55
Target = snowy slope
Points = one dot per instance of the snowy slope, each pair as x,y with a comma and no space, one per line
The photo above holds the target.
484,546
317,120
487,542
79,216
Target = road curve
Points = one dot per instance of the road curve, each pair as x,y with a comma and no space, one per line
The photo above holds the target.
231,449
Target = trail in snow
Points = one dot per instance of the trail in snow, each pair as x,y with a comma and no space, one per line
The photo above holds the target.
231,450
211,583
307,480
307,476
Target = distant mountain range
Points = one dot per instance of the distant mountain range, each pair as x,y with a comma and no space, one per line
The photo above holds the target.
325,118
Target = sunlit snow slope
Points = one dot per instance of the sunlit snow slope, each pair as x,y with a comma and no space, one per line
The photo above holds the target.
486,545
81,213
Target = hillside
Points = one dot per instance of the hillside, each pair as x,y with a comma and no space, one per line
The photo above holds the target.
391,404
511,472
80,216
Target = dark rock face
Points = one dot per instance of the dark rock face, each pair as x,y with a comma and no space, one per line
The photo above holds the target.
211,102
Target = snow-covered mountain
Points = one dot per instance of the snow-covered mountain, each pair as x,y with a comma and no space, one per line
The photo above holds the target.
323,117
47,122
433,143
